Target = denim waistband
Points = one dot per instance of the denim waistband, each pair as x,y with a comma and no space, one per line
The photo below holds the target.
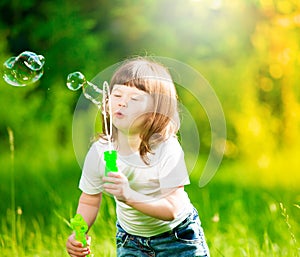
164,234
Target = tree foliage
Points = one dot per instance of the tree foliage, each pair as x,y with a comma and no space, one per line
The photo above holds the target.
248,51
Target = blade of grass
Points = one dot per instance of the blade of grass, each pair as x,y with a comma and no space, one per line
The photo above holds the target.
13,199
286,219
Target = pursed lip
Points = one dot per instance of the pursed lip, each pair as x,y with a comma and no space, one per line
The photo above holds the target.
119,114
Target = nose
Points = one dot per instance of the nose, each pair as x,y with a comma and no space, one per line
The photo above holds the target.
122,102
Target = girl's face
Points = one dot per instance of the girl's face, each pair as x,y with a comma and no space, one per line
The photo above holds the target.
130,107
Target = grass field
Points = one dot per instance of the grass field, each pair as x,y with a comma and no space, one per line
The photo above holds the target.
240,218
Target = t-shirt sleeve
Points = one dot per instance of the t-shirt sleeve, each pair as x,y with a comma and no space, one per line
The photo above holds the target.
173,171
92,172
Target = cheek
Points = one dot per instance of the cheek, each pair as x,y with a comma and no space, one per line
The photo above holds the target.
114,106
147,106
140,111
140,119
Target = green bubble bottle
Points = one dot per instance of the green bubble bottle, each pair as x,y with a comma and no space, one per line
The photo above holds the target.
110,158
80,227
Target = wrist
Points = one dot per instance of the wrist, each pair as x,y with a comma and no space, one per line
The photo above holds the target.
130,197
134,198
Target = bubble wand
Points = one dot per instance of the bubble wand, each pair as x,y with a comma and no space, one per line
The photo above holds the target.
75,81
110,156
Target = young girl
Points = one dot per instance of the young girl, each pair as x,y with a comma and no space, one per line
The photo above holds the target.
154,214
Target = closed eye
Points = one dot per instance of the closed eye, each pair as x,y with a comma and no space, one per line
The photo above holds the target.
136,98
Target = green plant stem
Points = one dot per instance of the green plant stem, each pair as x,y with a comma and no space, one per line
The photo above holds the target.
286,219
13,201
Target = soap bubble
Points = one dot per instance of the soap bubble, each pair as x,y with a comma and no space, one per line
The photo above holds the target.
24,69
93,93
77,80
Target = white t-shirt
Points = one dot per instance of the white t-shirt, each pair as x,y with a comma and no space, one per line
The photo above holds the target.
167,169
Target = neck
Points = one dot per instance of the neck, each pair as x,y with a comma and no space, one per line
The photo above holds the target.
128,143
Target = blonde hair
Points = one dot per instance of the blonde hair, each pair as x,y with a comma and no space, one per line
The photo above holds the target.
153,78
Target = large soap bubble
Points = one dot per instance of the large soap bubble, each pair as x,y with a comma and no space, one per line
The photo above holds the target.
23,70
187,80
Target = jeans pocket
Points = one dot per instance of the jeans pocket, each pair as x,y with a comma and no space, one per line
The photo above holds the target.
188,234
121,239
190,231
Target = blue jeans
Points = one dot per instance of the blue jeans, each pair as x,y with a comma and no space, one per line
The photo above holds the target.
187,239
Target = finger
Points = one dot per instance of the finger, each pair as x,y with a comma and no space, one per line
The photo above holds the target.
114,174
88,240
110,177
107,179
111,180
110,186
78,253
111,189
76,244
73,242
74,248
107,182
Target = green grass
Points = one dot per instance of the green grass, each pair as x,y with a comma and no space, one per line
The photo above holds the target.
239,218
249,221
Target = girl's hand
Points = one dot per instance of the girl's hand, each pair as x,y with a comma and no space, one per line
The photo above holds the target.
117,184
75,248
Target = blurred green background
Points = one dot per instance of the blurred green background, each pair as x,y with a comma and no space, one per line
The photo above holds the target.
248,50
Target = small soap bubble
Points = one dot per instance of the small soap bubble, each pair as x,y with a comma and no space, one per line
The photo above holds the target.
75,80
24,69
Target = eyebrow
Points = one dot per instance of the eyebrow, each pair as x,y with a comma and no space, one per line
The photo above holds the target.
115,89
139,92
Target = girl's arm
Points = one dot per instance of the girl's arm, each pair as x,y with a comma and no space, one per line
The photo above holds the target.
88,207
165,208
